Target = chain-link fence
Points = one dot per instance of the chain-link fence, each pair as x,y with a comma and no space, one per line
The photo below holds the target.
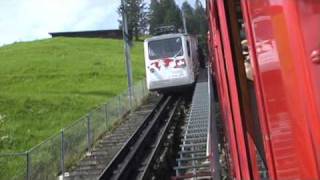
52,157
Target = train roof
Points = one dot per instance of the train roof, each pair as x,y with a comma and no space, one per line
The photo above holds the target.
166,36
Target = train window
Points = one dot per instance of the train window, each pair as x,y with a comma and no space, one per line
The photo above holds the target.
188,47
165,48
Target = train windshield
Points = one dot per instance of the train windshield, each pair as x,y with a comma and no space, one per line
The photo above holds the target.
165,48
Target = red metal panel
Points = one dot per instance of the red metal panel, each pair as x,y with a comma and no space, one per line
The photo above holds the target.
308,21
221,80
227,113
229,95
258,90
283,35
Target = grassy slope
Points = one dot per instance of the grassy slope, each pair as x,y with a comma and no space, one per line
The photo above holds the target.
47,84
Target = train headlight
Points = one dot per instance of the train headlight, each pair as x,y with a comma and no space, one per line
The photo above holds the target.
152,70
183,63
180,63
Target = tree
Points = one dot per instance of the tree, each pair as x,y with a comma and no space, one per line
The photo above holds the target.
190,19
201,18
172,13
156,17
201,23
164,13
137,17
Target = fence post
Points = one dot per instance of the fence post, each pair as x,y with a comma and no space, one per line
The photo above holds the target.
28,165
134,95
119,111
131,99
143,88
62,153
106,114
89,130
143,93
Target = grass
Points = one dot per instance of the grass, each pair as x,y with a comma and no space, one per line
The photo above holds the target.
46,85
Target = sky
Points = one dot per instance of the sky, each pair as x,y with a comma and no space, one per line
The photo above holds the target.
26,20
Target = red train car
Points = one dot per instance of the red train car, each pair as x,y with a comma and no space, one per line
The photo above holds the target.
273,118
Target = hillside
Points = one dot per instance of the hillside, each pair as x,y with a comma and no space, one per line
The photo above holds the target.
47,84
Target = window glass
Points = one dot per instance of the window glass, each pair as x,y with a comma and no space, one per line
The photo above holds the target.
188,46
165,48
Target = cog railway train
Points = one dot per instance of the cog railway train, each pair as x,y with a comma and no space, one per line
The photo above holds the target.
265,57
171,61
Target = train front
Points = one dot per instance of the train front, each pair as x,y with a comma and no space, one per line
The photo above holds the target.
168,66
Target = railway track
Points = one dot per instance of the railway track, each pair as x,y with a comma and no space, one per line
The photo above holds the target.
137,157
133,147
157,141
166,138
94,162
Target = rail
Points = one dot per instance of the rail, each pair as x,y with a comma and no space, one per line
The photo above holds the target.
213,136
133,159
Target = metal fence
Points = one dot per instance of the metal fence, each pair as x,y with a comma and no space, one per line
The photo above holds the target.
52,157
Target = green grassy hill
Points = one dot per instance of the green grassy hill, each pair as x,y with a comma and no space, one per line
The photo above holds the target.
47,84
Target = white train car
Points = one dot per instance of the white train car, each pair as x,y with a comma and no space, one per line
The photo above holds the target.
171,61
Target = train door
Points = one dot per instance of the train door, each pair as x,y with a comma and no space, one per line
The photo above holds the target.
192,46
195,56
188,53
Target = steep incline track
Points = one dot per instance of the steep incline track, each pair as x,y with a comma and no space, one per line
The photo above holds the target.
135,159
93,164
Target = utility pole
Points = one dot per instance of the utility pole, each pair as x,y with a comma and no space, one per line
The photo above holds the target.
127,50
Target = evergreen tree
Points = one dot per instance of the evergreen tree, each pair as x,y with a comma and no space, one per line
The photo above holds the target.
172,13
164,13
201,24
137,17
156,15
201,18
190,19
